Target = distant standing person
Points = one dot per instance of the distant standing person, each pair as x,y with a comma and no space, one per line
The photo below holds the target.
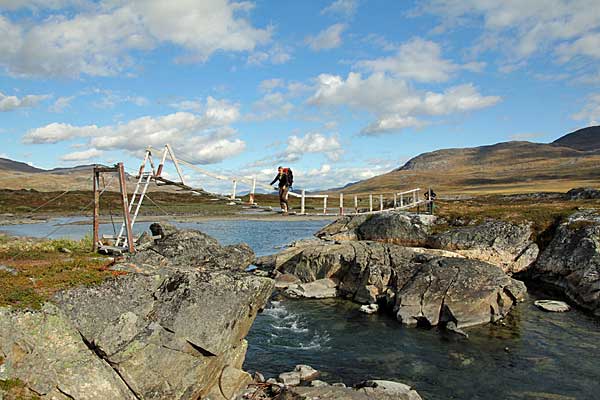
285,178
431,200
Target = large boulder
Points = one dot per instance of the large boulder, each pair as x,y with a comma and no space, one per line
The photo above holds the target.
571,261
44,350
192,248
173,330
393,226
507,245
418,285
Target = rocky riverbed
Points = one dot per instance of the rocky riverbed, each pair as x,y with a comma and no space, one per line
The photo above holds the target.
428,273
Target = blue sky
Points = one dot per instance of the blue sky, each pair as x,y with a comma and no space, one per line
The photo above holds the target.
340,90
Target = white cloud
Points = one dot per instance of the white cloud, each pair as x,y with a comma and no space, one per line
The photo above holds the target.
10,103
523,28
98,40
345,8
420,60
203,139
61,104
272,105
527,136
313,142
111,99
588,45
327,39
394,103
591,111
84,155
188,105
269,84
275,55
35,5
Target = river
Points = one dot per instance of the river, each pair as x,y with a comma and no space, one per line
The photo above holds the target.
533,355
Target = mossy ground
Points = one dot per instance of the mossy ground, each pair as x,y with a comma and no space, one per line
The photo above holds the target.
33,270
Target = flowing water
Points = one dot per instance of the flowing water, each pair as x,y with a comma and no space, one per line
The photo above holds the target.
534,355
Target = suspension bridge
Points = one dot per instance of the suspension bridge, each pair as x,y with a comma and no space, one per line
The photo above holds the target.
150,172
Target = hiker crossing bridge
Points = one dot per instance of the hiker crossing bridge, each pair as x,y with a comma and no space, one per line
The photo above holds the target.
150,172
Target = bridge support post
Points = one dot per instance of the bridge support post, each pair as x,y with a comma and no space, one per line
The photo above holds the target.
96,221
127,216
355,204
325,205
395,200
370,203
341,203
401,200
252,202
234,190
380,202
302,202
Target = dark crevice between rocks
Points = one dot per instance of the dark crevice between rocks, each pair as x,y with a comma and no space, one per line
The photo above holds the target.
201,350
102,355
64,393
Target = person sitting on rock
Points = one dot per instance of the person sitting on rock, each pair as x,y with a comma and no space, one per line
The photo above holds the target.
284,186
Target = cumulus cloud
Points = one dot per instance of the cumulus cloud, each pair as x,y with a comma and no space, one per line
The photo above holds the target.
271,105
313,142
204,139
329,38
591,111
523,28
395,104
345,8
61,104
84,155
98,41
10,103
420,60
276,55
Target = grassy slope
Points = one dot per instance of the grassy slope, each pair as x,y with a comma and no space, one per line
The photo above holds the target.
518,167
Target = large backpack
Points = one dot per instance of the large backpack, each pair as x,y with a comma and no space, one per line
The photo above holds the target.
290,176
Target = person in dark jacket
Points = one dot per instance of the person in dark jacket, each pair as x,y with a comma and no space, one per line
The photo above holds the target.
284,187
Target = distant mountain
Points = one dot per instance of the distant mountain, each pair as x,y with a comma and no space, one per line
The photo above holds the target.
508,167
10,165
70,170
586,139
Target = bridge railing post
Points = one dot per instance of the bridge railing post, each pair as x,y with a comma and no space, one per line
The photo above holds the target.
380,202
341,203
325,205
401,200
355,204
370,203
302,202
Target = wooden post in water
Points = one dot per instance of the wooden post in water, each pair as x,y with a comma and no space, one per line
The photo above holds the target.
96,221
370,203
126,215
302,201
341,203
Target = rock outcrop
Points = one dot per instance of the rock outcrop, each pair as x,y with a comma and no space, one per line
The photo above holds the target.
420,286
191,248
571,261
394,227
172,327
507,245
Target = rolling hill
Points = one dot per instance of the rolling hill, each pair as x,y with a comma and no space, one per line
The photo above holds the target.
508,167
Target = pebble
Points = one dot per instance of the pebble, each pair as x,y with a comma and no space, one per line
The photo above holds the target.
552,305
